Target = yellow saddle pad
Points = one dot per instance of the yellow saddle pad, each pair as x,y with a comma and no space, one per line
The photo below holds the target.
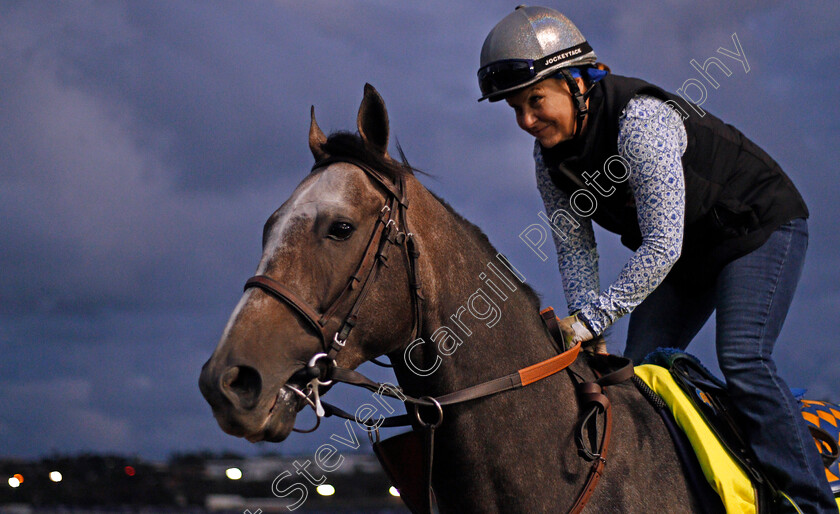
721,470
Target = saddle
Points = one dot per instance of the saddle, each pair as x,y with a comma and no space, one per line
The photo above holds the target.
709,397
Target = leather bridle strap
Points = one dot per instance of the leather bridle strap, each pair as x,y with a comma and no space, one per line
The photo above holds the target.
330,343
593,398
385,233
516,380
520,378
597,468
591,395
288,296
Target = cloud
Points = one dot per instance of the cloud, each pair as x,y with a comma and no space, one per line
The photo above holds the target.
58,411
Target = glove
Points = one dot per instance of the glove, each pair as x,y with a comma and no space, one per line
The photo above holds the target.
574,331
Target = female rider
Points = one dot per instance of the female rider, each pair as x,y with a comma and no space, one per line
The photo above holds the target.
714,222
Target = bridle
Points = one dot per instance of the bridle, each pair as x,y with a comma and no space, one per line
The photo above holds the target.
386,233
321,369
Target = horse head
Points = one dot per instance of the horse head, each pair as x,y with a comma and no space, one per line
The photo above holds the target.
332,287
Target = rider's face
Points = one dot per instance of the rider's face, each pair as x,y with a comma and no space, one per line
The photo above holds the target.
545,110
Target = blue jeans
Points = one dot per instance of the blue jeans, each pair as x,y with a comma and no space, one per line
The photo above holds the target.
751,297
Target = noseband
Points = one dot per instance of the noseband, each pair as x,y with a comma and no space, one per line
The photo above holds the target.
386,233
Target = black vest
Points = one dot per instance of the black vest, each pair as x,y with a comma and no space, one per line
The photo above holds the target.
736,195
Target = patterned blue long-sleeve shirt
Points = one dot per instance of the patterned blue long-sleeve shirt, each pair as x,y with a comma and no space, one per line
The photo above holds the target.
652,139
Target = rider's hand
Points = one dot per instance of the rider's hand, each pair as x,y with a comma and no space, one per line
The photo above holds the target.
574,331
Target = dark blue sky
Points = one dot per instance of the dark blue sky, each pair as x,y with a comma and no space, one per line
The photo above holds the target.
145,143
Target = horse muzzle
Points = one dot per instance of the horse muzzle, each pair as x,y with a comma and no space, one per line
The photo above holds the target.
245,406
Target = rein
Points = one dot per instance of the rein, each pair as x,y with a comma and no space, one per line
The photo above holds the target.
591,396
321,370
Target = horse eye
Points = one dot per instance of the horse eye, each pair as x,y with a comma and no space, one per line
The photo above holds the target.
340,230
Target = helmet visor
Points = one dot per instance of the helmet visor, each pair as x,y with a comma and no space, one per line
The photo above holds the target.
506,74
501,75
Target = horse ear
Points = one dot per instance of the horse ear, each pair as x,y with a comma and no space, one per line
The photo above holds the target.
373,121
316,138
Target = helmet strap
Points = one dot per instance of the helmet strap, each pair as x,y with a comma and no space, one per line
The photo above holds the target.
578,99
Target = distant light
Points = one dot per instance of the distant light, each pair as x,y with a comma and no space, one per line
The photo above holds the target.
393,491
14,482
130,471
19,477
55,476
325,490
233,473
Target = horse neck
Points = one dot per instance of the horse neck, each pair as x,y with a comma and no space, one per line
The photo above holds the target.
476,308
490,454
471,459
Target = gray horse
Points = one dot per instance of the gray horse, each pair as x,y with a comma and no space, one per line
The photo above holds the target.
513,451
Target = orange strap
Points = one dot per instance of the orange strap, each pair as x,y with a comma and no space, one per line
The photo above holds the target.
549,367
521,377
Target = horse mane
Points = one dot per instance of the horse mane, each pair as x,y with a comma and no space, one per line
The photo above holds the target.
482,238
347,144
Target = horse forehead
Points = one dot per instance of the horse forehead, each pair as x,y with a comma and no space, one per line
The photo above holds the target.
339,182
336,187
334,184
331,187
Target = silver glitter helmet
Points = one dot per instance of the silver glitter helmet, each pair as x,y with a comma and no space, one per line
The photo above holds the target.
528,45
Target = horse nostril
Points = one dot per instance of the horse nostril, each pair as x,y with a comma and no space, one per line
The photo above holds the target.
242,386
